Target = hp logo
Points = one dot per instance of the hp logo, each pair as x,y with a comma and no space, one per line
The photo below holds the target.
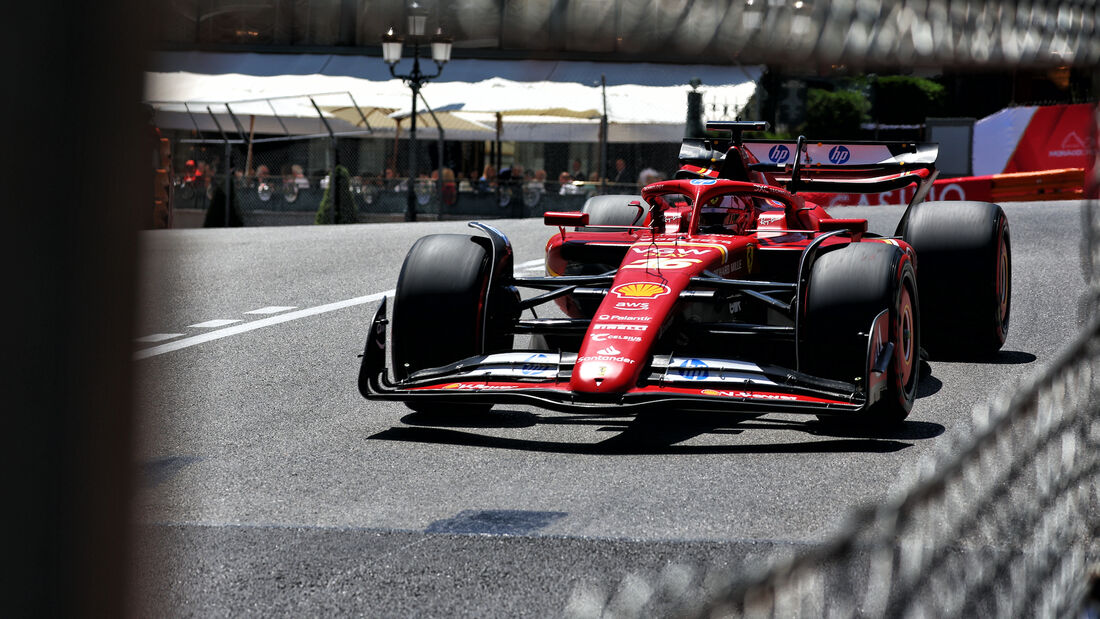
839,155
694,369
779,153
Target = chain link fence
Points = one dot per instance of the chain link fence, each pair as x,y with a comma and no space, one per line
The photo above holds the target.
1002,523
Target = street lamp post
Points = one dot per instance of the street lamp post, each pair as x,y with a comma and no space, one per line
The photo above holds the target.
391,53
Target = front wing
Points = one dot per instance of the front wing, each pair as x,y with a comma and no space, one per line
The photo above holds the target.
542,379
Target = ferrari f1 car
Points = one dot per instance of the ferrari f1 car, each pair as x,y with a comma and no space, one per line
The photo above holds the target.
724,289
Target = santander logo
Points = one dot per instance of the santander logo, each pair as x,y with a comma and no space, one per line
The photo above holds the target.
610,350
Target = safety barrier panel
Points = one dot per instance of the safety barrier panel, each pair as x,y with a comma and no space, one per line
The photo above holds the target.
1047,185
1067,184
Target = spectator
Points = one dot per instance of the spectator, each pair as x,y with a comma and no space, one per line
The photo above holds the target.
567,186
450,188
488,180
299,176
537,182
576,173
647,176
622,173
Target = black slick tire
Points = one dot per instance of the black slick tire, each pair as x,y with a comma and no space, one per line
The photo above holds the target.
615,210
964,270
438,306
847,289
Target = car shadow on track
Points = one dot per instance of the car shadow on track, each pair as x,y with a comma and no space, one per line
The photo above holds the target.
656,432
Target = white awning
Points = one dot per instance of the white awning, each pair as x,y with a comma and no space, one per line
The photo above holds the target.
543,101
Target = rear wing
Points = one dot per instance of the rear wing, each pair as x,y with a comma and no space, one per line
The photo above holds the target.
828,166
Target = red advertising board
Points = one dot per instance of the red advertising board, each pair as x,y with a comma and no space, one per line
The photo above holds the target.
1057,137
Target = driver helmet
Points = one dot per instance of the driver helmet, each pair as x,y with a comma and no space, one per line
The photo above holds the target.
726,213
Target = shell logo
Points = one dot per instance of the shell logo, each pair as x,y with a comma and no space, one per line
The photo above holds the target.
452,386
709,392
640,290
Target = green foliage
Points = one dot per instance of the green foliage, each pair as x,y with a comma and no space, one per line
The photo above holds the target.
834,115
215,213
905,100
339,184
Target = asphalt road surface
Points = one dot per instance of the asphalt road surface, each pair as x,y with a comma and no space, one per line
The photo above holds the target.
268,485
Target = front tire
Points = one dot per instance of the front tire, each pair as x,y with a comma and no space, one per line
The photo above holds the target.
964,270
847,289
439,305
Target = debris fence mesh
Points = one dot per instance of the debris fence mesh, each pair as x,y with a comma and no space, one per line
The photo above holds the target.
1004,522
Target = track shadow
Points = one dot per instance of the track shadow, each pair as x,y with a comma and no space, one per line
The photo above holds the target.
1001,357
928,385
658,432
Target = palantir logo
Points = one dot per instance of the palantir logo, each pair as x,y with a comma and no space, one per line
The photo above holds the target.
779,153
839,155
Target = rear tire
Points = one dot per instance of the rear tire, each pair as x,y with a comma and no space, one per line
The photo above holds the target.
615,210
438,307
964,270
847,289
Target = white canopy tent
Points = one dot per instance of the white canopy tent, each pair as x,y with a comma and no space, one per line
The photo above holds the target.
539,101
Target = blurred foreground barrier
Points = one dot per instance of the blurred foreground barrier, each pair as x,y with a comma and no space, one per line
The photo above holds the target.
1005,526
1002,523
1006,523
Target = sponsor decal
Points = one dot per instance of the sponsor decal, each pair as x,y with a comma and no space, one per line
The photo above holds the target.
610,350
531,365
703,181
640,290
661,263
627,318
839,155
678,252
694,369
730,268
779,153
618,327
479,387
750,253
626,360
750,395
603,337
632,306
767,219
1072,146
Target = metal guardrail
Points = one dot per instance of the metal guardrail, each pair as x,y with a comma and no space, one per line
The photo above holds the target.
1002,523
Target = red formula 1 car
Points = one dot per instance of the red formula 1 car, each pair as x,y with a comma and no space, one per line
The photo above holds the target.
721,290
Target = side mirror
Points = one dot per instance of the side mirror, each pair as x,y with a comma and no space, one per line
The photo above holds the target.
565,218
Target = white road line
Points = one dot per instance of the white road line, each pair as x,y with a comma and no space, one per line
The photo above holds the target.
272,309
213,324
256,324
158,337
531,265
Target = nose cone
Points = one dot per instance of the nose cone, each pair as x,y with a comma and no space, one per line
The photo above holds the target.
607,371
